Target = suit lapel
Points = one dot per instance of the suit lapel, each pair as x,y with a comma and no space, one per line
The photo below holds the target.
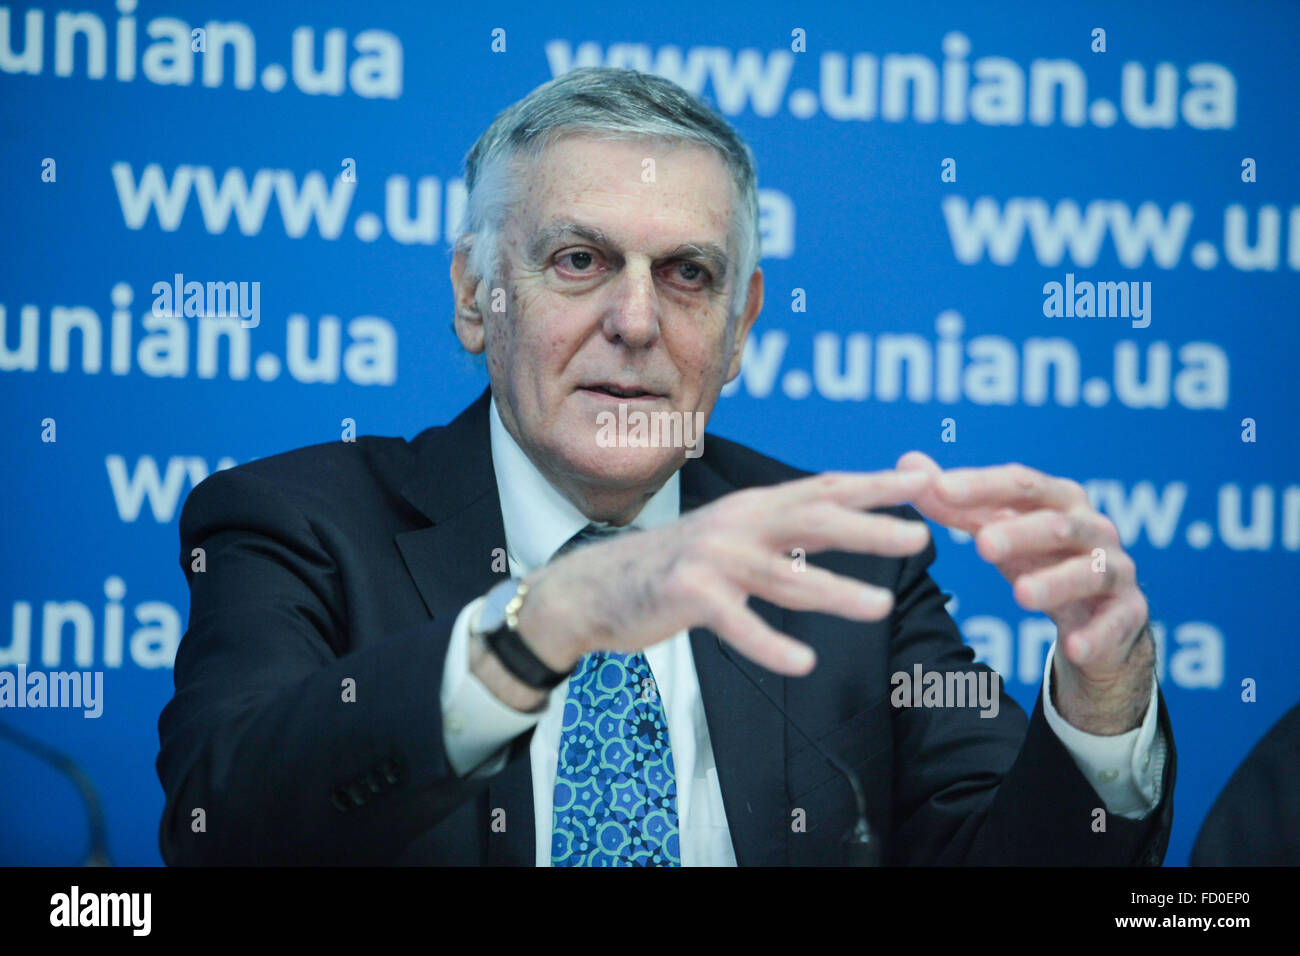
452,562
747,733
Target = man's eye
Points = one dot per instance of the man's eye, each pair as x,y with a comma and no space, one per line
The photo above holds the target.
580,261
693,272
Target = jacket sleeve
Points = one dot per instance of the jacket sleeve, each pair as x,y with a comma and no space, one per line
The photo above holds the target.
996,790
263,757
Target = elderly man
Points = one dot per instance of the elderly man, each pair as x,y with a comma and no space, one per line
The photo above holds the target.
529,637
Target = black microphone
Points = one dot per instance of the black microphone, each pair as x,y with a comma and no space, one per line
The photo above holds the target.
860,846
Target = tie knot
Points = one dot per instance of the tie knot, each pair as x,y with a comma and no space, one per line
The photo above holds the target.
588,535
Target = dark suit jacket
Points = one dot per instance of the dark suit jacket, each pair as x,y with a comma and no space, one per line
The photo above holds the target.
1256,819
352,560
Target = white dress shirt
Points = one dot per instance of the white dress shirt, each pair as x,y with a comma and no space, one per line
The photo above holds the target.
1126,770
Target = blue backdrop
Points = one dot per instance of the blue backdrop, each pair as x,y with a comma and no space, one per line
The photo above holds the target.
927,169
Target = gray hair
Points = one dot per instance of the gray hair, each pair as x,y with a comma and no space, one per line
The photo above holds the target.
614,104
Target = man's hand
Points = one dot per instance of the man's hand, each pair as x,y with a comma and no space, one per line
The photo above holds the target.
640,588
1065,559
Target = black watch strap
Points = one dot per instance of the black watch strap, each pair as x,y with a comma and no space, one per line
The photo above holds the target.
515,656
504,641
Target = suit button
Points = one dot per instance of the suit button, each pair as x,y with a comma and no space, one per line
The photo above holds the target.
392,771
340,800
356,794
373,783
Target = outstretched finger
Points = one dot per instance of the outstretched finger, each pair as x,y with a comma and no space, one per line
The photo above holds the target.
748,633
858,490
824,526
791,582
1014,486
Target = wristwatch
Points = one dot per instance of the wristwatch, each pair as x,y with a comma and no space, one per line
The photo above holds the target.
496,623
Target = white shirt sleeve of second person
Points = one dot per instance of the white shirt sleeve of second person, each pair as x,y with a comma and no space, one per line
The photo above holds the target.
476,727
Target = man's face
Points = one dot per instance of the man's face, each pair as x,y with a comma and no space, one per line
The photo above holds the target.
617,292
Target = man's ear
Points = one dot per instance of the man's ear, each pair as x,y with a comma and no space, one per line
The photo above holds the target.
745,322
469,320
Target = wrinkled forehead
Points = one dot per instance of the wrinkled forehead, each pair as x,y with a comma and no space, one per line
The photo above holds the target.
637,194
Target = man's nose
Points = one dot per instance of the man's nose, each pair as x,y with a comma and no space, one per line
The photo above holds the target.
633,317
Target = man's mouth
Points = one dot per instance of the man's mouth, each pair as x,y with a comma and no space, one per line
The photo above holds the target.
626,392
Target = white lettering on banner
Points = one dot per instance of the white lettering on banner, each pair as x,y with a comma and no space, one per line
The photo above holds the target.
152,645
985,227
984,370
1148,515
997,228
1194,662
913,87
369,356
1242,523
167,52
162,490
302,203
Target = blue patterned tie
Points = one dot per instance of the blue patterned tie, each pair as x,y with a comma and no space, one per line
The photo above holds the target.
615,789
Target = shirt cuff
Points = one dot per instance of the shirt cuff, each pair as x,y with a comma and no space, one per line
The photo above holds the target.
1126,770
476,726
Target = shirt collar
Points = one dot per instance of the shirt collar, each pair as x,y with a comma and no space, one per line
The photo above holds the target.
539,519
